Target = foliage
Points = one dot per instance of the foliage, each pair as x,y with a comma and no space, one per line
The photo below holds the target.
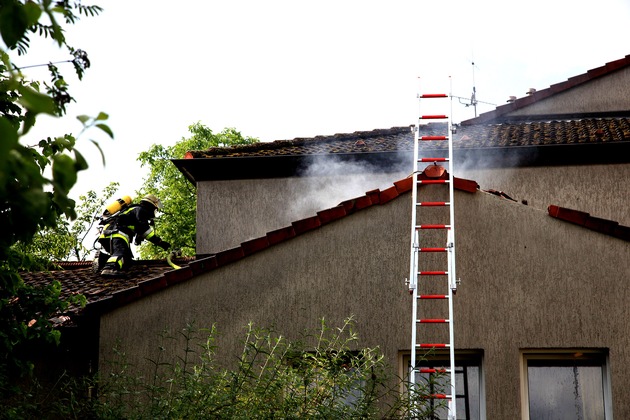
67,240
34,180
324,374
178,195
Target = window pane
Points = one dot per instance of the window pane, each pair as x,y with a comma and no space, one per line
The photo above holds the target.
565,392
468,393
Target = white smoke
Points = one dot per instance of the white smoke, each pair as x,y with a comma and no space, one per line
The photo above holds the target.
328,181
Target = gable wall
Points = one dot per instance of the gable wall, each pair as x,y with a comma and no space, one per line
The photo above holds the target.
234,211
601,190
528,281
604,94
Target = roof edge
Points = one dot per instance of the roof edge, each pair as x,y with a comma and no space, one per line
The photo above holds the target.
580,218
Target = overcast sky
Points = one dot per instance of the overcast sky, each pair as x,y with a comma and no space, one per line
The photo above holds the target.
283,69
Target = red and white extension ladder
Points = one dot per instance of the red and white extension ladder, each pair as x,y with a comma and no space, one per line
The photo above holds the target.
432,281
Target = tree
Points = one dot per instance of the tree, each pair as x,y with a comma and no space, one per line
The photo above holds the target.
66,241
177,225
35,180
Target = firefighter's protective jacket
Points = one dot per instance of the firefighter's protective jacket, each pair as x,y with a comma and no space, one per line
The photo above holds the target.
134,224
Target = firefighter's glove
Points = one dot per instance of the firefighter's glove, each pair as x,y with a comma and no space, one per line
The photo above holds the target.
164,245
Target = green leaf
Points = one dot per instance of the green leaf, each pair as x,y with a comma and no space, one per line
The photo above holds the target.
100,150
32,12
14,22
102,116
36,102
83,119
80,163
9,137
106,129
64,172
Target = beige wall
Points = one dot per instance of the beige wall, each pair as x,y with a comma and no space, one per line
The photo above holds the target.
528,281
601,190
234,211
231,212
610,93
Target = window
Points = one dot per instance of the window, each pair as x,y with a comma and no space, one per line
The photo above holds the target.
468,382
566,384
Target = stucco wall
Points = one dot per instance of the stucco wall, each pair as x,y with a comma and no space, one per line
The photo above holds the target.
231,212
234,211
604,94
600,190
528,281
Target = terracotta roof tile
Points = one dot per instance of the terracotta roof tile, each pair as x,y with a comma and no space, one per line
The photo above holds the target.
605,226
388,194
361,141
540,132
254,245
279,235
331,214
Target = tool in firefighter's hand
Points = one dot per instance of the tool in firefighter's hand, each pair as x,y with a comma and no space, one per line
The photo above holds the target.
173,254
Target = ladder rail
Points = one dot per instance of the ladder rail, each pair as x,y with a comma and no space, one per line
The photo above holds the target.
452,279
413,263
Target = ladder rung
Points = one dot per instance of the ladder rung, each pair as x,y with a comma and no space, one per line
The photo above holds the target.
433,95
433,321
433,249
433,226
432,370
434,203
438,397
433,273
430,138
433,181
433,117
432,346
430,159
433,297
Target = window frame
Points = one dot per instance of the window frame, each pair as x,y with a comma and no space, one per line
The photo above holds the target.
587,357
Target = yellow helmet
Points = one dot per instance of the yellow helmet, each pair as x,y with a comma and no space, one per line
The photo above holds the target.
153,200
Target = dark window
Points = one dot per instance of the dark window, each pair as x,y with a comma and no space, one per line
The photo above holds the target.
468,383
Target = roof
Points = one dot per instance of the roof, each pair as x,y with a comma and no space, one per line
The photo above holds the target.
147,277
78,278
534,133
539,95
540,142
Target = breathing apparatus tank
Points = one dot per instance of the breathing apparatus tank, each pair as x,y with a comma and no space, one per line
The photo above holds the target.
117,206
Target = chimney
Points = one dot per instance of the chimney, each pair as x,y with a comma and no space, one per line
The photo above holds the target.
511,99
531,91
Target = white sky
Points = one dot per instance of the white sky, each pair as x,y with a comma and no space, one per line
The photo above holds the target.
284,69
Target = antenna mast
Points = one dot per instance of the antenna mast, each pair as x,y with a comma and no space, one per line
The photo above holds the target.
473,98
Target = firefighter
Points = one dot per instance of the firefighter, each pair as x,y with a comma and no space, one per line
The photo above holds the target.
133,223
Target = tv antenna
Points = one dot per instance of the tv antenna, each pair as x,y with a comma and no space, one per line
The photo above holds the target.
472,101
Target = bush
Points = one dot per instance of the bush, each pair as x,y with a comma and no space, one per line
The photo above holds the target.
322,375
